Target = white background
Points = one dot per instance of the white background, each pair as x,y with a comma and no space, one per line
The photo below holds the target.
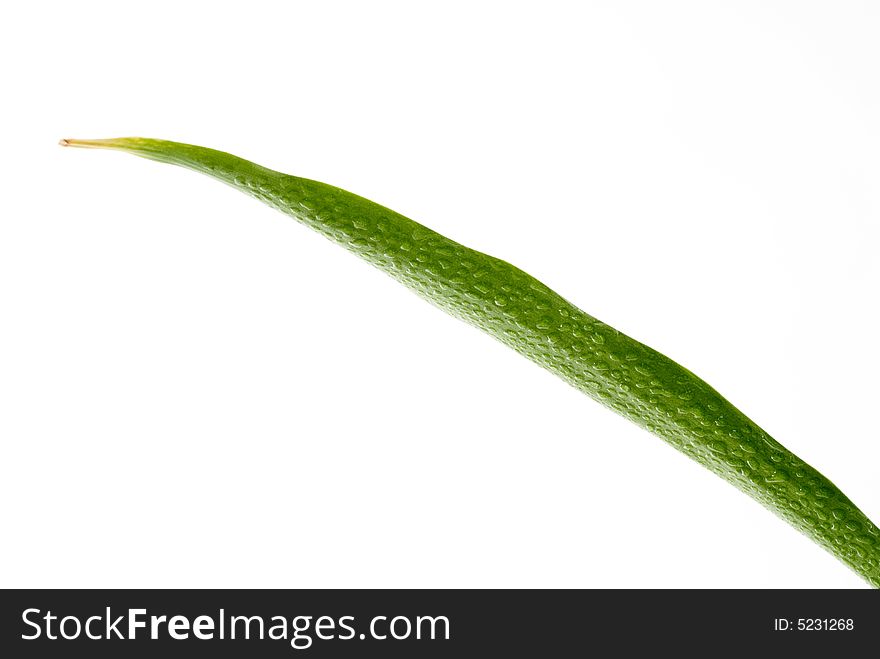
197,391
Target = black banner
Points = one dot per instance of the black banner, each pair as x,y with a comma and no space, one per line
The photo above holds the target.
432,623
